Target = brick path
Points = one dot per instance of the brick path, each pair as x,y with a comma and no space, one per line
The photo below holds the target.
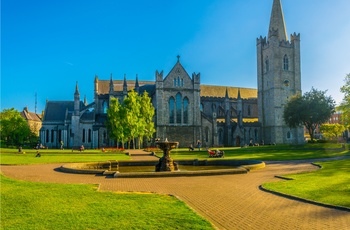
228,201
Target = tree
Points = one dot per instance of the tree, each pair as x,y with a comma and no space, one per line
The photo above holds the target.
345,104
115,118
14,130
332,130
147,111
311,110
132,119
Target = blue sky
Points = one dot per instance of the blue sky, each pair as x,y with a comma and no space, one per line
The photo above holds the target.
48,46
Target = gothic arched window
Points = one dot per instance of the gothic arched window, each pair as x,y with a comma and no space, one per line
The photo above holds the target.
285,62
206,134
185,110
178,108
83,138
52,135
89,135
171,110
174,81
47,136
104,105
267,67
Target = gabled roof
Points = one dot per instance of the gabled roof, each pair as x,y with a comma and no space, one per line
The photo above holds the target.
30,116
220,91
56,110
178,68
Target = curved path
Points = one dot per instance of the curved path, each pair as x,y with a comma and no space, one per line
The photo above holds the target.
228,201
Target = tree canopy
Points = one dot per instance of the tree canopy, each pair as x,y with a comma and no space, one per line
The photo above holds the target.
133,118
345,104
332,130
311,110
14,130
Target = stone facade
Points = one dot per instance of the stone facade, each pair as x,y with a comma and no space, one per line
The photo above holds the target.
279,78
33,120
187,110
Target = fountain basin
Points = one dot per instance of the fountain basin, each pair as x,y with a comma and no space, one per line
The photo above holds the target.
114,168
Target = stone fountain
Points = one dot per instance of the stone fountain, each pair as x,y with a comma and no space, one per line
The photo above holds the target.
166,163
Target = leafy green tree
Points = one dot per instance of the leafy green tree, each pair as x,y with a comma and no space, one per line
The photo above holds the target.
311,110
345,104
332,130
147,111
14,130
115,119
131,120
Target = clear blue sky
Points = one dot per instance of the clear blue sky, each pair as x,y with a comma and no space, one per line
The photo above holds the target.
49,45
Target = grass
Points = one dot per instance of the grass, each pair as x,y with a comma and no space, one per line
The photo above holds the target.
30,205
11,156
329,185
268,153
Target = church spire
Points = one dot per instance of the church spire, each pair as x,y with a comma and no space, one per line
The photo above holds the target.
77,94
111,85
137,84
125,86
277,25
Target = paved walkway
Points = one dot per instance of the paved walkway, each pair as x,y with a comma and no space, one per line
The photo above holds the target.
228,201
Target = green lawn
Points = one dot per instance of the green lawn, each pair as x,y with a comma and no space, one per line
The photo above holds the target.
11,156
271,153
329,185
29,205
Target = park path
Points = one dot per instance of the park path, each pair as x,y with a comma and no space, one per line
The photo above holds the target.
228,201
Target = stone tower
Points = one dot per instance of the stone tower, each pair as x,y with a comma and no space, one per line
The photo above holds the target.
76,134
279,78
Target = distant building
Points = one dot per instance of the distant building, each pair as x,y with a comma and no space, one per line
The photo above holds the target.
187,110
33,120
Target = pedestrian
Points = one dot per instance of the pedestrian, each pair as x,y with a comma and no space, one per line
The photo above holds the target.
199,145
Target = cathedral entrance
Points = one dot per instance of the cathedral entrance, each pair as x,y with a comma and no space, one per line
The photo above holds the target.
238,141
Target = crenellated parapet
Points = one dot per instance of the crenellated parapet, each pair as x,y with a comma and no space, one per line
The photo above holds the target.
159,76
286,44
196,78
261,40
295,37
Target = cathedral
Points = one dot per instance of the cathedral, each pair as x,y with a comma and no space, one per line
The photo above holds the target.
188,111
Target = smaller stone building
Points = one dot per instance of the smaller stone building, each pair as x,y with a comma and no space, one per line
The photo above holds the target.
33,120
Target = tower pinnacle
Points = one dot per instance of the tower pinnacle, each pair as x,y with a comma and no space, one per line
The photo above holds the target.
277,21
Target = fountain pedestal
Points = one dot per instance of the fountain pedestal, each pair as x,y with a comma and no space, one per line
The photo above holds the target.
166,163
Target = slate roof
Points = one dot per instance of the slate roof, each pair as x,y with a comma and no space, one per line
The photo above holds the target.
220,91
103,85
56,110
30,116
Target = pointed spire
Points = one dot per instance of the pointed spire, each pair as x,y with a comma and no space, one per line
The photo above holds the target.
178,58
77,90
85,101
137,84
239,94
277,21
226,93
111,85
125,86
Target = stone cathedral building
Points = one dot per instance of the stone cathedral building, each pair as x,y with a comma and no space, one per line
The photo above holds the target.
187,110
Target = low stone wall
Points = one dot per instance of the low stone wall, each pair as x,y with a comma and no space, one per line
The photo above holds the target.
240,166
